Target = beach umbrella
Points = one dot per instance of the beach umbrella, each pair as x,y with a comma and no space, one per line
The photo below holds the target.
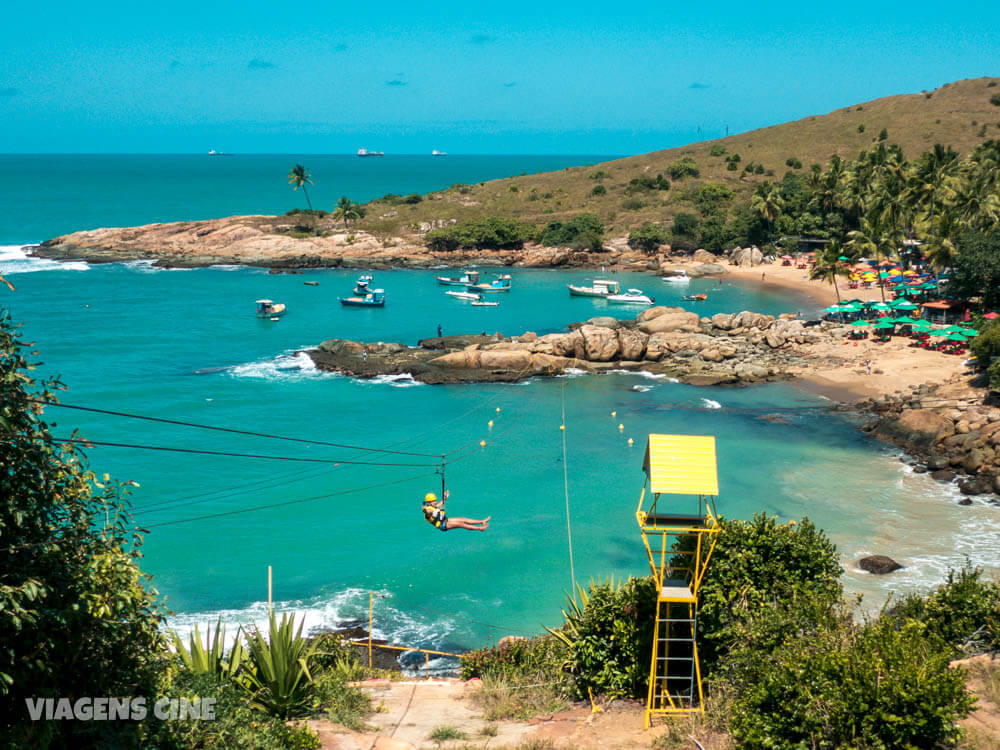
956,337
907,306
906,320
991,316
843,257
881,306
859,323
954,329
939,332
884,324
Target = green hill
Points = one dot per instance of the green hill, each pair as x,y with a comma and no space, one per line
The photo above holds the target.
960,115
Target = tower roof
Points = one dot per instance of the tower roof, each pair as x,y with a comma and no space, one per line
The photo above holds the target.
682,464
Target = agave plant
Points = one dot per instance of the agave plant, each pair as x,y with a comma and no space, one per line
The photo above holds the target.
213,660
278,677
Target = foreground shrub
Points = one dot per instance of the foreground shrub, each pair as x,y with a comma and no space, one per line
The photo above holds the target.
609,632
757,563
844,687
235,724
516,659
964,612
278,677
686,167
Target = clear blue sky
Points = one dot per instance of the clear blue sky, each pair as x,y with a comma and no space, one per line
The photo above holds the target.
514,77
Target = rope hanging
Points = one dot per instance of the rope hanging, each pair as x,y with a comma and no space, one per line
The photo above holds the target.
569,531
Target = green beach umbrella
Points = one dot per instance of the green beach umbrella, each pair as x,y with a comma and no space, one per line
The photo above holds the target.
859,323
885,325
922,325
843,257
906,320
956,337
880,306
939,332
907,306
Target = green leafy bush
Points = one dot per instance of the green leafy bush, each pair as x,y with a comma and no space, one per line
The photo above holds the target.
757,563
995,100
648,237
235,724
517,659
582,232
792,162
830,687
491,232
861,128
883,134
600,174
213,660
717,150
963,612
598,190
609,632
645,184
278,677
307,212
685,167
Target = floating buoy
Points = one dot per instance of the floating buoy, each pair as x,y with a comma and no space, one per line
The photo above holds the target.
490,423
482,443
614,414
562,427
498,410
621,427
630,441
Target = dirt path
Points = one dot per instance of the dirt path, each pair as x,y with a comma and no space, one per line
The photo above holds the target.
408,713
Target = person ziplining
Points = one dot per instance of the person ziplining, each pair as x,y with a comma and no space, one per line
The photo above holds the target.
435,515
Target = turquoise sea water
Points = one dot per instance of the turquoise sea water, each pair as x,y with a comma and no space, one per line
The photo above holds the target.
185,345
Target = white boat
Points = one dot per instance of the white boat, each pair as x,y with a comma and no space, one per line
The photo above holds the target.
467,278
466,296
366,152
483,303
269,309
435,152
631,297
678,276
601,288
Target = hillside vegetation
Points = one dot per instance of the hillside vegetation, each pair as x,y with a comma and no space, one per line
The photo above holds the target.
625,193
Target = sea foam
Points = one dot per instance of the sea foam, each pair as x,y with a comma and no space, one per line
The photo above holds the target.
293,365
15,259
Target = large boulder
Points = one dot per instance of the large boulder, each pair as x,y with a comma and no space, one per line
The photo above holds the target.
631,344
503,360
918,429
671,321
599,344
605,321
706,269
750,319
546,364
746,256
703,256
654,312
878,564
463,360
723,321
560,345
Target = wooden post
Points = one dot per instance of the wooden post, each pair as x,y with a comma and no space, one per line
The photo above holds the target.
371,604
270,608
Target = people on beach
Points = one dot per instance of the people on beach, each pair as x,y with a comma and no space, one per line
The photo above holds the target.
364,353
762,275
439,330
435,515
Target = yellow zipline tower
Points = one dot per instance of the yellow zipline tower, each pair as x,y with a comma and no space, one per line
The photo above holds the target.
679,534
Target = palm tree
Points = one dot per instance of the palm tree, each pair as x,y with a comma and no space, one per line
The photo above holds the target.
877,239
933,180
299,177
767,203
347,209
829,265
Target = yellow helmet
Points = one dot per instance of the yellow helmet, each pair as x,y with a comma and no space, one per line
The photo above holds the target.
430,497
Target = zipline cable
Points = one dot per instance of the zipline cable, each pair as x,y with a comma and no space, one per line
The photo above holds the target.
569,531
286,502
227,429
90,443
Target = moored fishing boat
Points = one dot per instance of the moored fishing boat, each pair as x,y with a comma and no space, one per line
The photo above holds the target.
372,298
600,288
269,309
677,276
468,296
499,284
467,278
631,297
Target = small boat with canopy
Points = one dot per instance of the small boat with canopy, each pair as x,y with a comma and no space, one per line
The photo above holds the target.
269,309
467,278
600,288
371,298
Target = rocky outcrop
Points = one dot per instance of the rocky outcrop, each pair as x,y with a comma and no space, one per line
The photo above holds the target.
745,347
948,428
703,256
304,241
706,269
879,564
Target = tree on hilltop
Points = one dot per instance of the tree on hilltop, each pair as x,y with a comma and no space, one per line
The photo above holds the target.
347,209
299,177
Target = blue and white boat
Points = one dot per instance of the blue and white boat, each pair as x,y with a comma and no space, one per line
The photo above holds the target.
499,284
372,298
